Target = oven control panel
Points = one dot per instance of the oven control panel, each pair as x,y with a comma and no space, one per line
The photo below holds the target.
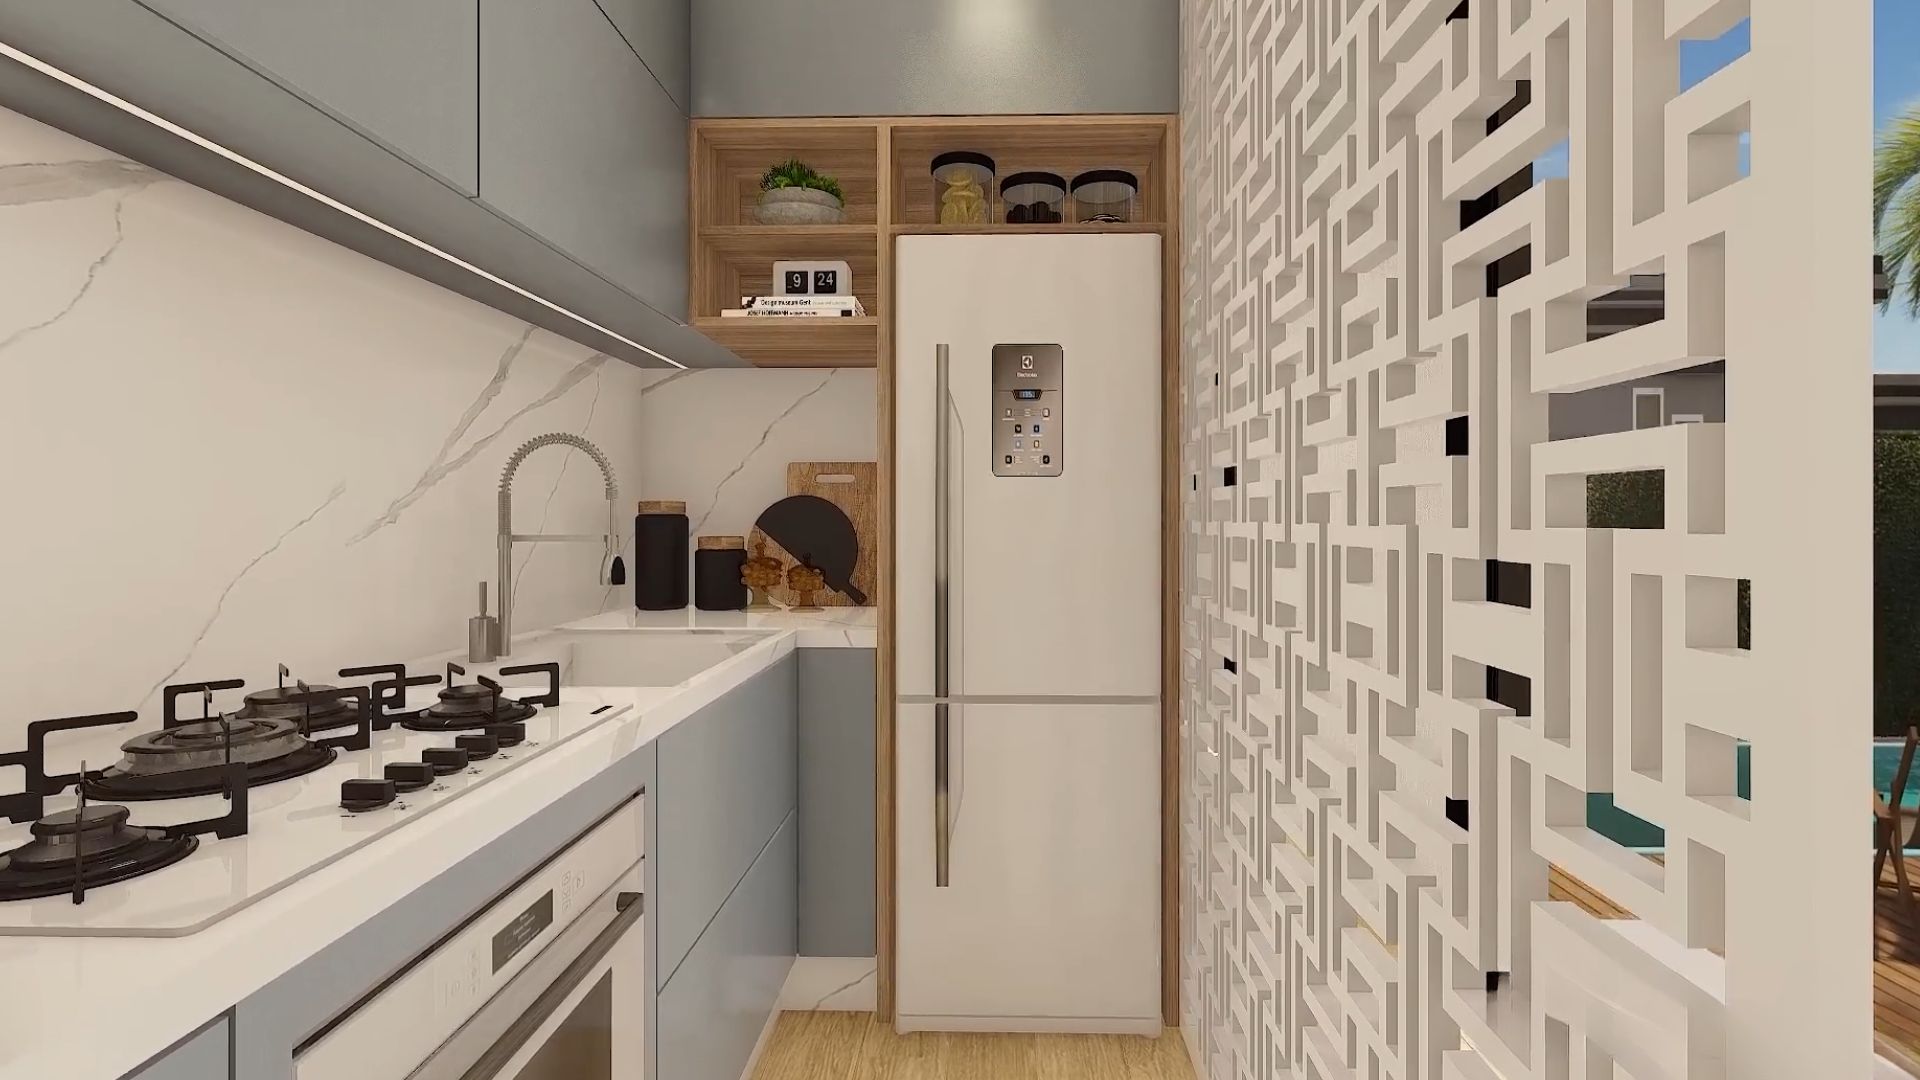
1028,420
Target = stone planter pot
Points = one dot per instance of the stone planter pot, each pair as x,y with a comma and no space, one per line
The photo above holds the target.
799,206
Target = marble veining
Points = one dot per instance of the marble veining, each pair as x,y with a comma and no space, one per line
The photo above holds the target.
220,602
86,283
442,466
52,181
243,445
766,433
720,440
826,1000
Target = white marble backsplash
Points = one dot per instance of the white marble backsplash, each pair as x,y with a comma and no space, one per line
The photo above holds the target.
720,439
228,443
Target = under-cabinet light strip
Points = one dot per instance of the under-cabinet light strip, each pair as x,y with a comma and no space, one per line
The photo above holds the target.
131,109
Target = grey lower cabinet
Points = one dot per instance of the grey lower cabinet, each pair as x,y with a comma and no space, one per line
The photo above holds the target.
711,1013
836,802
580,145
405,74
721,876
207,1054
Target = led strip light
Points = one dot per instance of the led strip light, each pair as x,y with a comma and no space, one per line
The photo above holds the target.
166,125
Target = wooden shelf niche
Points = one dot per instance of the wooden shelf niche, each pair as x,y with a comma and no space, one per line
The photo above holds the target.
1064,145
883,165
733,256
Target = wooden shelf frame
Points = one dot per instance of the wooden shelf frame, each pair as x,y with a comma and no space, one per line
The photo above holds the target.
882,164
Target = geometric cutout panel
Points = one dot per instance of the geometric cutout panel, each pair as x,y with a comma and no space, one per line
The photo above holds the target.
1446,664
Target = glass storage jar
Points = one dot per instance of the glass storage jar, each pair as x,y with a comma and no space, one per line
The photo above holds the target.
1108,196
962,188
1034,198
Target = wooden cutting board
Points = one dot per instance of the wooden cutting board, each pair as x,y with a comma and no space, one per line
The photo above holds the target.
849,485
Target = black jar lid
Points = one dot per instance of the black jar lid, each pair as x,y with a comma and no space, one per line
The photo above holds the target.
1019,179
1106,176
961,157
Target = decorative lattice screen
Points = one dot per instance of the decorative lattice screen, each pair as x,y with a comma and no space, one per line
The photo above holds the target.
1466,617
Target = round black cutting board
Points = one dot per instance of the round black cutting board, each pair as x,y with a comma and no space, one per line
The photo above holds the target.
816,532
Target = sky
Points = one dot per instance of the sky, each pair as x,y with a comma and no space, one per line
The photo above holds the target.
1896,86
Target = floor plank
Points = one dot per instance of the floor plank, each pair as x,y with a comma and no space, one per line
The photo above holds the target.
852,1046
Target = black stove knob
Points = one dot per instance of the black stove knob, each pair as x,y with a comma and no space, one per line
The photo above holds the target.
358,795
509,734
478,745
410,775
445,759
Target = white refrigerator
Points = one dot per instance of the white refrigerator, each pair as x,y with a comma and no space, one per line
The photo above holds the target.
1027,776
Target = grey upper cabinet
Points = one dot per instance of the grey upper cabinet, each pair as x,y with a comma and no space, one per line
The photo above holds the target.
661,31
580,145
935,57
405,74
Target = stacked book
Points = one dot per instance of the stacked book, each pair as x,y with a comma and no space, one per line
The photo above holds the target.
796,307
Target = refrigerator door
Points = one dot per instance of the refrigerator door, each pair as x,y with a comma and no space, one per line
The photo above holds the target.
1053,580
1051,918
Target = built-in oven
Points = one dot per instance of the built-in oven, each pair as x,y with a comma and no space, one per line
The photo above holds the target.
546,983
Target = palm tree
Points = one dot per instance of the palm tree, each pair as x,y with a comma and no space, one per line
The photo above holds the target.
1896,208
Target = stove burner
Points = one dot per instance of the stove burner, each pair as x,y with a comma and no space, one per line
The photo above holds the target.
189,757
74,850
183,760
334,709
108,850
463,707
468,706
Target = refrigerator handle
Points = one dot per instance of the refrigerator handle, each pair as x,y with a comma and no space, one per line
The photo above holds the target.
942,509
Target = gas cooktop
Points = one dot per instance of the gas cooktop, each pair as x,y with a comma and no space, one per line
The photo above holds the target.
203,816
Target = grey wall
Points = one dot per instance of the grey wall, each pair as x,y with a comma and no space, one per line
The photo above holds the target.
1607,409
934,57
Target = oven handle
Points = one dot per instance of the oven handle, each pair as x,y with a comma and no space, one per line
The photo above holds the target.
630,905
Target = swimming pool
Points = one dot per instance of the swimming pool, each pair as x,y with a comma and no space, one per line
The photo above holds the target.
1886,758
1627,830
1631,831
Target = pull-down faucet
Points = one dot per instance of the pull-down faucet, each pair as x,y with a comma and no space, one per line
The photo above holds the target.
612,570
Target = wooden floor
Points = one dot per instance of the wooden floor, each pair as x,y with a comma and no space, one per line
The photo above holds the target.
1896,959
851,1046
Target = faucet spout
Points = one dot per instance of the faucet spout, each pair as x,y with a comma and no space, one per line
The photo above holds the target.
613,570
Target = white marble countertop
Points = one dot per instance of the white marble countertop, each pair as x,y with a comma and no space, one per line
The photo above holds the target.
828,628
157,990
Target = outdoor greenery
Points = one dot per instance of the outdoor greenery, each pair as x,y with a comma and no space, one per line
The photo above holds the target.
1896,207
1638,500
796,173
1896,581
1627,500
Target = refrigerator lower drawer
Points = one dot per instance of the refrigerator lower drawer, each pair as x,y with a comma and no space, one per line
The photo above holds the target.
1050,916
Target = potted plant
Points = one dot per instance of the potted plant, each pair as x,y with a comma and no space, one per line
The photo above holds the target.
791,193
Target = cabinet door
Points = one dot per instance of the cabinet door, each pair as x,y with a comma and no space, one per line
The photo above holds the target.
580,146
661,31
404,74
836,802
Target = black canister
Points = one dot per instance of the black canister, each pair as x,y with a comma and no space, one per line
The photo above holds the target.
660,556
717,563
